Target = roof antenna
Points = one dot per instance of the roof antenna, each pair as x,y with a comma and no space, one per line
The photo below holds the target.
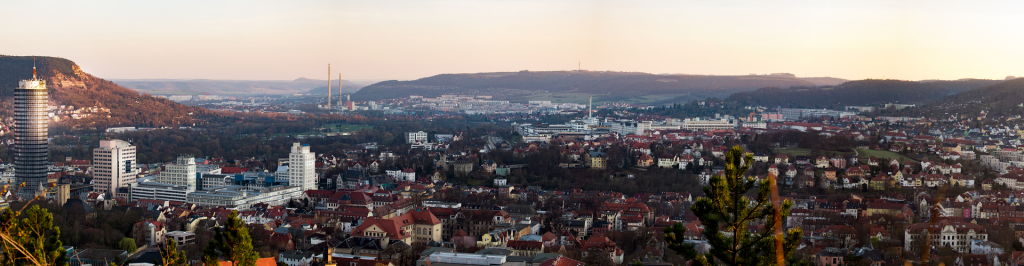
33,67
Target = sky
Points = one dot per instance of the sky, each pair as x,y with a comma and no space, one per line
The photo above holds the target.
284,40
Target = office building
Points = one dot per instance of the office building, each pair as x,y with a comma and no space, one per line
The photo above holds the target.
241,197
302,167
30,129
416,137
113,167
159,191
709,124
181,173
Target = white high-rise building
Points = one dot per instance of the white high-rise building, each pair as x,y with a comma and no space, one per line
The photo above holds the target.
302,167
416,137
113,166
181,173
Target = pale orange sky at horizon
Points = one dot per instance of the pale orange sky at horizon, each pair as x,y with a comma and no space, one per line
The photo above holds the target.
284,40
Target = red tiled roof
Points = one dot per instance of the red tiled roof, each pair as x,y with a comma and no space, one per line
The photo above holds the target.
561,261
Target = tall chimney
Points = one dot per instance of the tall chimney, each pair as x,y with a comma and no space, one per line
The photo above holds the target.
339,83
590,107
329,86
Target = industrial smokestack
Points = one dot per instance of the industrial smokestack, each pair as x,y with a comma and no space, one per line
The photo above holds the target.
339,83
590,107
329,85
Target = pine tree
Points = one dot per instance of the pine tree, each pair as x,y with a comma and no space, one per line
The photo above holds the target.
33,240
170,256
726,213
233,243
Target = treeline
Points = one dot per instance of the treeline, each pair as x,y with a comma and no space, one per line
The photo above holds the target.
543,170
861,92
1001,99
96,230
256,140
709,108
611,83
808,140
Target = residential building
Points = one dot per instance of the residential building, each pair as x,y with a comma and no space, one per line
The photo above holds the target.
182,238
418,225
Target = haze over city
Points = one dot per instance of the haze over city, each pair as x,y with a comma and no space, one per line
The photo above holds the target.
275,40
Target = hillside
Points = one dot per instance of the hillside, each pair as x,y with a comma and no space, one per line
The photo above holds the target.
233,87
69,86
1000,99
607,86
860,92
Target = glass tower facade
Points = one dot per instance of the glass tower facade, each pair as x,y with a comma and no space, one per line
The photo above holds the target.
30,128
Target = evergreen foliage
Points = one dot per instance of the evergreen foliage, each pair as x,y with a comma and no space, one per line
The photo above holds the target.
32,240
170,256
233,243
726,213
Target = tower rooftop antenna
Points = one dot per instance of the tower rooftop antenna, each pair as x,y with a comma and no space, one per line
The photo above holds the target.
33,68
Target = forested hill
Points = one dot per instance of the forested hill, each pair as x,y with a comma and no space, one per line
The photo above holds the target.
68,85
1001,99
609,85
860,92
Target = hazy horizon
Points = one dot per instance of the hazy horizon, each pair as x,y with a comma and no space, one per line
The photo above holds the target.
404,40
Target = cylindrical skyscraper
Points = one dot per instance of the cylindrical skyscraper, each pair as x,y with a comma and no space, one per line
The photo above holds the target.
30,128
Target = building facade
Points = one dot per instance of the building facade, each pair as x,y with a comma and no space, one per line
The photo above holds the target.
181,173
955,235
30,129
113,167
416,137
302,167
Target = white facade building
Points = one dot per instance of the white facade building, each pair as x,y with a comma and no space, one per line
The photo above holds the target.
182,238
241,197
113,166
708,124
416,137
159,191
181,173
631,127
302,167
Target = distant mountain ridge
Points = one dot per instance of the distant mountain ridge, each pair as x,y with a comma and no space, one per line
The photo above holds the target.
68,85
859,92
235,87
610,86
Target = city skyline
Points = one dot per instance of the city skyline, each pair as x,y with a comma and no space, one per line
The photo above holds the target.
411,39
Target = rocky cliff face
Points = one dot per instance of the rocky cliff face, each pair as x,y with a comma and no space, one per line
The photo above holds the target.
75,81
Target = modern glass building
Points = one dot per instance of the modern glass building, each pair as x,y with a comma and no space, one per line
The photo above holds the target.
30,128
